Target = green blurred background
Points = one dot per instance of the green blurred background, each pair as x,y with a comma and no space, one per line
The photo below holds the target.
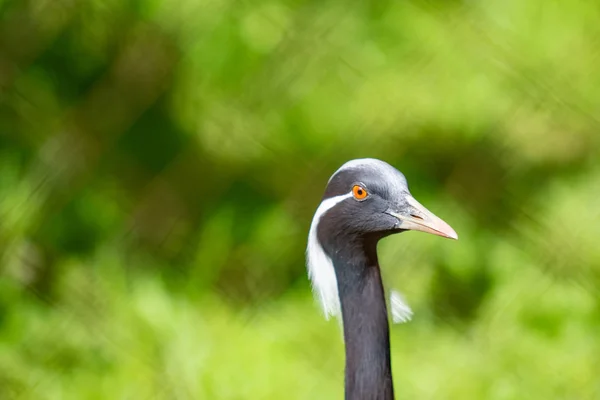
160,162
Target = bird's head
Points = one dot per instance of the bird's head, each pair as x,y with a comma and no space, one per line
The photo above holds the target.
364,201
370,198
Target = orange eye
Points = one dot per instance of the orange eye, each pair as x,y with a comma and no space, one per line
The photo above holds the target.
359,192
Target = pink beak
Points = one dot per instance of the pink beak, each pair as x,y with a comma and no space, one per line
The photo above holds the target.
421,219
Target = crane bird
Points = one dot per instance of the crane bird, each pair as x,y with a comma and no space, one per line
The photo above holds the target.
365,200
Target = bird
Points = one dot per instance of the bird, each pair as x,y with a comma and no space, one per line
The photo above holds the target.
364,201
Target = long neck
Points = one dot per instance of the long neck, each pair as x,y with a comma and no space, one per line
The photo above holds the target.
366,329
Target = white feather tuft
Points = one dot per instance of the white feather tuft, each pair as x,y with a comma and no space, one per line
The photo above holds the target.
401,311
319,265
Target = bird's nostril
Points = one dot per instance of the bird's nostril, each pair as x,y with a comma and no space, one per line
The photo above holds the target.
416,216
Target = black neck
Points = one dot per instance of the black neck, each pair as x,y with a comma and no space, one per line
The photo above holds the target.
366,329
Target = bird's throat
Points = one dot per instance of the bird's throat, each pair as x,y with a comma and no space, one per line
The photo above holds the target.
366,330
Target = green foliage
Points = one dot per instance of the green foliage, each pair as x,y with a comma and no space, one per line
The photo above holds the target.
160,162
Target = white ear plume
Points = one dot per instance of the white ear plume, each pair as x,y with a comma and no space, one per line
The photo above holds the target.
319,265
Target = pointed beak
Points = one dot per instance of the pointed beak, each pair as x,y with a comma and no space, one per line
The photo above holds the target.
421,219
